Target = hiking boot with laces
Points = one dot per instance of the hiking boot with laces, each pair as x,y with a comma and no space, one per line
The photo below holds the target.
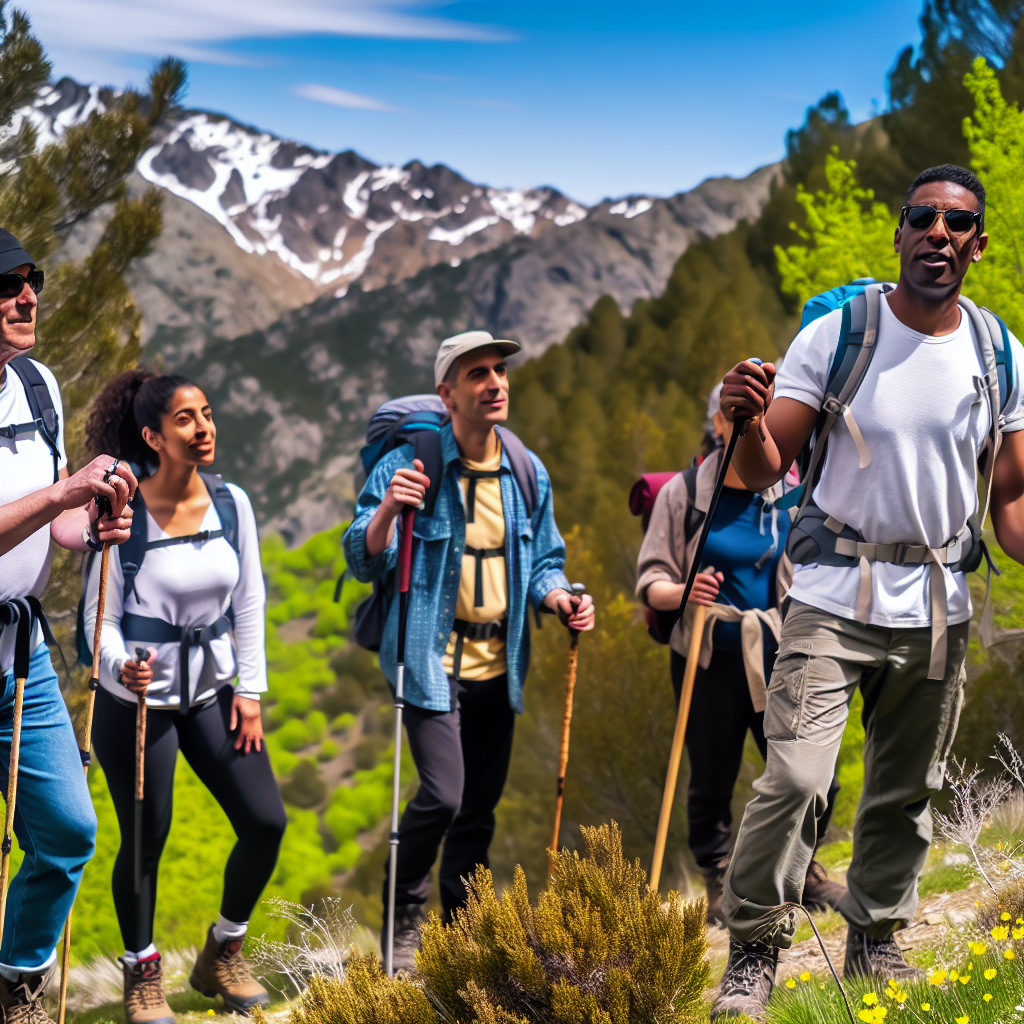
820,892
22,1000
408,921
221,970
714,883
748,980
867,956
144,1001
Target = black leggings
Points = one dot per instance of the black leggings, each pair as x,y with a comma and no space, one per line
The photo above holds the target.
243,785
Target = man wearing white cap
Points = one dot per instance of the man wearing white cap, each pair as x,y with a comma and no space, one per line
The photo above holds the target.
486,553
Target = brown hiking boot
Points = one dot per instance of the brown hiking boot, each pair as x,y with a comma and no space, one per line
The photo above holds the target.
714,879
144,1001
748,981
820,892
22,1000
868,957
221,970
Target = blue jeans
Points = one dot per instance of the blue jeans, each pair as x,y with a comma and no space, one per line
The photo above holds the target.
54,818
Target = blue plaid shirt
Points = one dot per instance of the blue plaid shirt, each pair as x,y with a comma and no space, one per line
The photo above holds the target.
534,559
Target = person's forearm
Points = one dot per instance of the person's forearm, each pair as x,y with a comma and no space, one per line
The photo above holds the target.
758,463
664,596
1008,522
67,528
20,519
380,530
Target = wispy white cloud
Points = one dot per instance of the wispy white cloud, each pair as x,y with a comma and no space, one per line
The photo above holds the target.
339,97
197,29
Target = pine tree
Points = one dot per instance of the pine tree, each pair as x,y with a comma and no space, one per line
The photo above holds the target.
88,324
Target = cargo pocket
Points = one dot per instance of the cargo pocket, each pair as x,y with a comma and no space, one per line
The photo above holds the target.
786,696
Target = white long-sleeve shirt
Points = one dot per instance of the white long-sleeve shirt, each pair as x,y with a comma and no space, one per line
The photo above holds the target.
188,585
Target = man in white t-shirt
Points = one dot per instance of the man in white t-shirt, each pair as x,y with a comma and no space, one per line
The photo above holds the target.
39,501
898,484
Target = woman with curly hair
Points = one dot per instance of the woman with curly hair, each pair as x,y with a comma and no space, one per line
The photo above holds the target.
194,606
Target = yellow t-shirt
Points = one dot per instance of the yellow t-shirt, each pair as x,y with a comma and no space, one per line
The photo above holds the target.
482,659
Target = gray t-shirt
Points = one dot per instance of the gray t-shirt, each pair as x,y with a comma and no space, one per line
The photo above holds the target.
924,421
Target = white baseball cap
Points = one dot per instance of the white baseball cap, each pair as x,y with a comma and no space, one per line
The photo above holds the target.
460,344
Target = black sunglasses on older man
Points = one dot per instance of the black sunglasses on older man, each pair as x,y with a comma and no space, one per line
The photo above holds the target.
922,217
12,284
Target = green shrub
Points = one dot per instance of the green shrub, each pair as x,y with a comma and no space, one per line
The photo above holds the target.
343,722
599,945
305,788
316,726
365,752
293,735
329,750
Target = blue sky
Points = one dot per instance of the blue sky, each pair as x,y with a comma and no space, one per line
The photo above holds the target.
596,97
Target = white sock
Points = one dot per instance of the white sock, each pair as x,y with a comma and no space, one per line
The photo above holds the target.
132,959
225,929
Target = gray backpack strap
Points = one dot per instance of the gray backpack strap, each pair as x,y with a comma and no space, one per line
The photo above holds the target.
860,316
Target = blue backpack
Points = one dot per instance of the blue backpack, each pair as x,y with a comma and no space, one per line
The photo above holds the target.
417,420
132,552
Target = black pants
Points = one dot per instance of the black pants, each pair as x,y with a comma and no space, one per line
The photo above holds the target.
721,713
243,785
462,757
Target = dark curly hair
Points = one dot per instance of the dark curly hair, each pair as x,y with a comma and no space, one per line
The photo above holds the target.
132,400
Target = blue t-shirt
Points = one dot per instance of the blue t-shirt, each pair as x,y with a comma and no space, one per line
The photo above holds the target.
738,546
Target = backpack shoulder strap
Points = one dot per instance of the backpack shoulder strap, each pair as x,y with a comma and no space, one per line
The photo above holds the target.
426,446
694,516
40,402
857,336
523,468
133,551
224,502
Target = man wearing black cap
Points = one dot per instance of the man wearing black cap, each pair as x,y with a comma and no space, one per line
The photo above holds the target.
54,821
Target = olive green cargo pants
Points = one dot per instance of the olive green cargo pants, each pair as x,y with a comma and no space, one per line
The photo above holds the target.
909,724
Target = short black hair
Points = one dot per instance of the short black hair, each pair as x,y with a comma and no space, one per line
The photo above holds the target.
958,176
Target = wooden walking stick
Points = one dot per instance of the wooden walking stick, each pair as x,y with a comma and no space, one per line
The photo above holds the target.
668,799
24,626
141,655
94,684
578,589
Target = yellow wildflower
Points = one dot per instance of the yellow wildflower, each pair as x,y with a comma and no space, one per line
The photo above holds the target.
1000,932
987,997
977,948
964,978
1018,933
1020,920
806,976
970,967
1004,916
790,983
927,1007
936,977
869,998
1008,954
963,1020
901,996
990,973
891,992
953,975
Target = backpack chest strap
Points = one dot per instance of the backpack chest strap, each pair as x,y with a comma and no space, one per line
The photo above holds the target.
474,631
478,575
472,476
159,631
12,430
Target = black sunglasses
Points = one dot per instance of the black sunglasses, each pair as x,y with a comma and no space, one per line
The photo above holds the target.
12,284
922,217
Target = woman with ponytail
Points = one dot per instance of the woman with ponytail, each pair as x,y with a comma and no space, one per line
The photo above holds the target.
194,605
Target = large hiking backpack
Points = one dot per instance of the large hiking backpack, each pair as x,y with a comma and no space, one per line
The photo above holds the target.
132,552
417,420
40,403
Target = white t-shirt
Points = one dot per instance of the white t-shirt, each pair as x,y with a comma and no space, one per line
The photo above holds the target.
924,422
26,465
189,585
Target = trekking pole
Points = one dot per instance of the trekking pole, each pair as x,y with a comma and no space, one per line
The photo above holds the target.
94,685
141,656
578,590
696,636
676,754
404,570
21,664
